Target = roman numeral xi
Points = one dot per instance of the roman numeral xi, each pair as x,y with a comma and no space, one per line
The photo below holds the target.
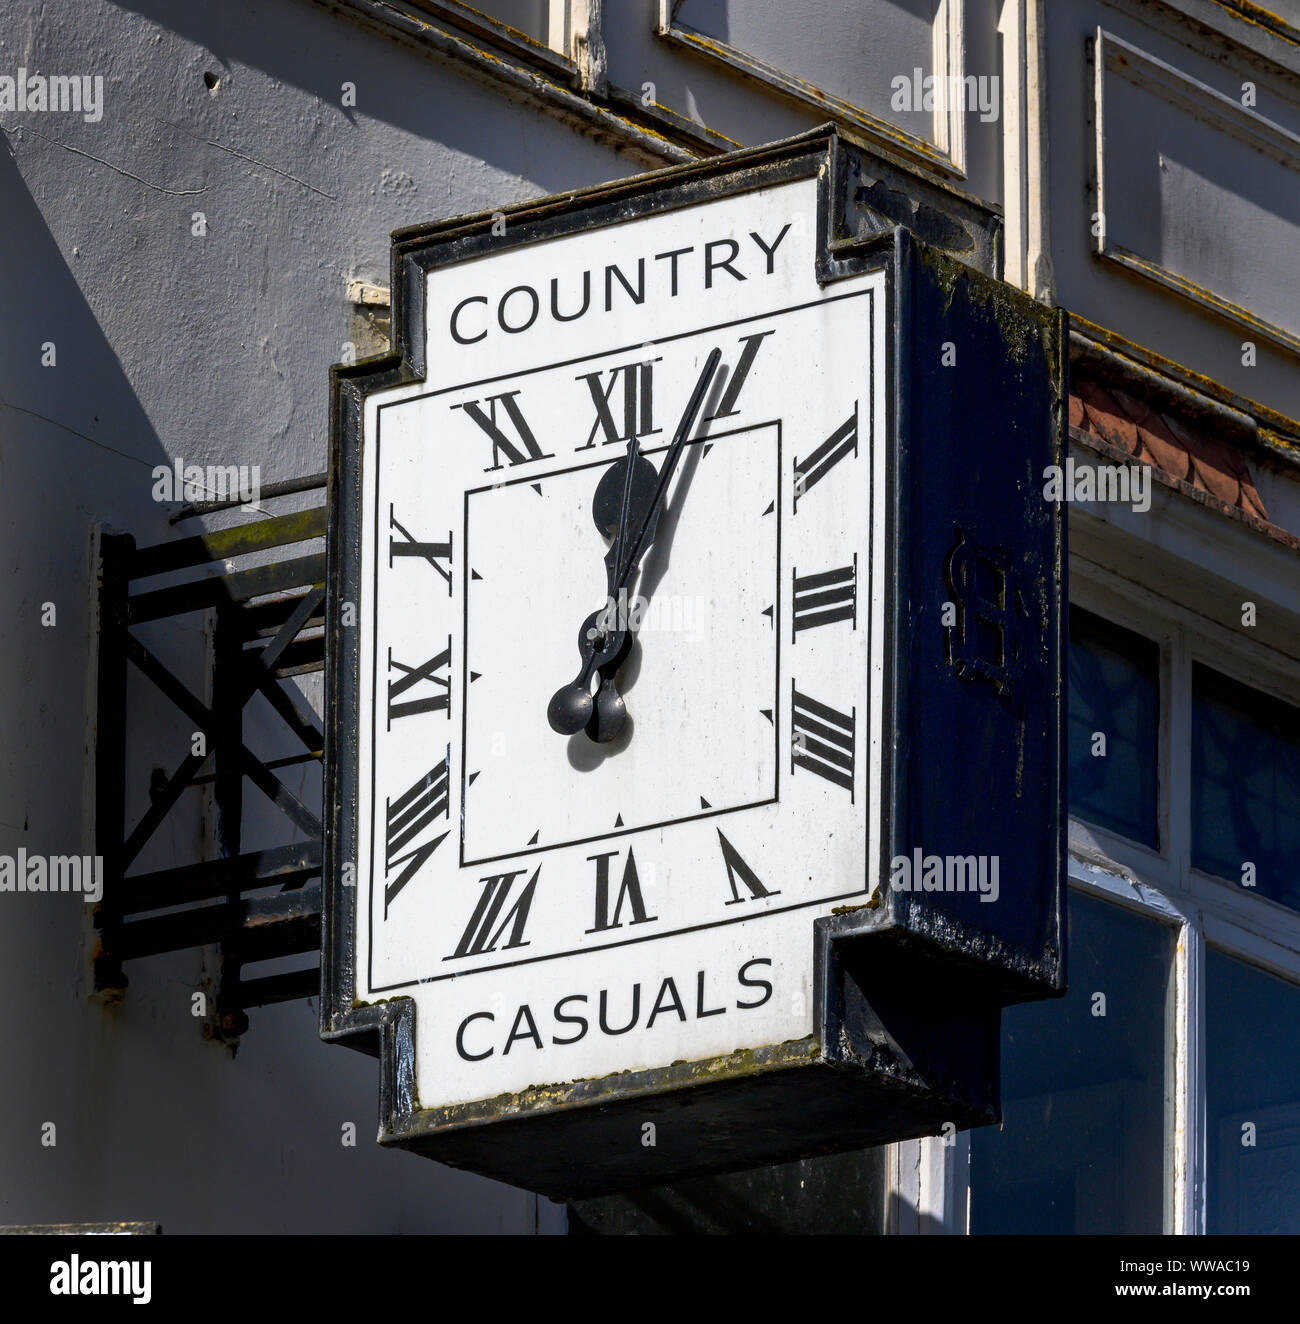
506,427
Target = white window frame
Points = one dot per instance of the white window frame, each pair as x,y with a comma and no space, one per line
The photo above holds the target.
930,1181
944,151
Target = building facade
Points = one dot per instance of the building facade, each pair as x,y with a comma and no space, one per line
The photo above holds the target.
197,203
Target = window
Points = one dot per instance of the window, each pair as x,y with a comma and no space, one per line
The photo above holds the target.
1245,787
1253,1088
1085,1089
1179,1108
1113,721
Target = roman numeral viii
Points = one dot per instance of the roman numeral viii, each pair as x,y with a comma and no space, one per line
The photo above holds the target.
487,924
822,740
433,552
843,441
509,431
439,700
407,817
826,598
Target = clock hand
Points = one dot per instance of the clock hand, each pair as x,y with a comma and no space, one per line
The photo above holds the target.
650,523
600,643
603,647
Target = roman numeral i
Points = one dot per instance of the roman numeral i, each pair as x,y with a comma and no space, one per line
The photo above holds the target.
843,441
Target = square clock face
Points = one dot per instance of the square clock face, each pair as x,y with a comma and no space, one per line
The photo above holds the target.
565,904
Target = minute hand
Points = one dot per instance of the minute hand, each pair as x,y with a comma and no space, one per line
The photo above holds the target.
646,529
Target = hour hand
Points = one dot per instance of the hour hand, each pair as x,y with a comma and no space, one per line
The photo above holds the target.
622,499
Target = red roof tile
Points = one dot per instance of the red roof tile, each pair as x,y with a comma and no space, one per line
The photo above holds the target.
1166,442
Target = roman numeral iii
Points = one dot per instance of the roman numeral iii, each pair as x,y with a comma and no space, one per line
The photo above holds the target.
405,819
438,700
843,441
822,740
826,598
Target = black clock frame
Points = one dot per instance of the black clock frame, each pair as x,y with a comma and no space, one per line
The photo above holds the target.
908,988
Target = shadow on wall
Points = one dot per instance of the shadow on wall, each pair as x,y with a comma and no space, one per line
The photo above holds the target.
75,448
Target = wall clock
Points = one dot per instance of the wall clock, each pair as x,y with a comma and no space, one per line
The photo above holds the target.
622,667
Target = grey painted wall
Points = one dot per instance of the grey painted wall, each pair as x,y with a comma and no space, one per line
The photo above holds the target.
215,349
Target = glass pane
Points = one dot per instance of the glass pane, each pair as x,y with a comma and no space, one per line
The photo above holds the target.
1252,1061
1084,1095
1246,786
1113,727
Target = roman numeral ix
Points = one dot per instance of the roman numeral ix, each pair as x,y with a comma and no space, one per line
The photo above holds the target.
822,740
826,598
438,701
407,817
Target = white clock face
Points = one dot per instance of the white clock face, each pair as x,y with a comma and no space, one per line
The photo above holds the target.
562,908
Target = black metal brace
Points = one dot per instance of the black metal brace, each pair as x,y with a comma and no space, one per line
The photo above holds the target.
269,626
